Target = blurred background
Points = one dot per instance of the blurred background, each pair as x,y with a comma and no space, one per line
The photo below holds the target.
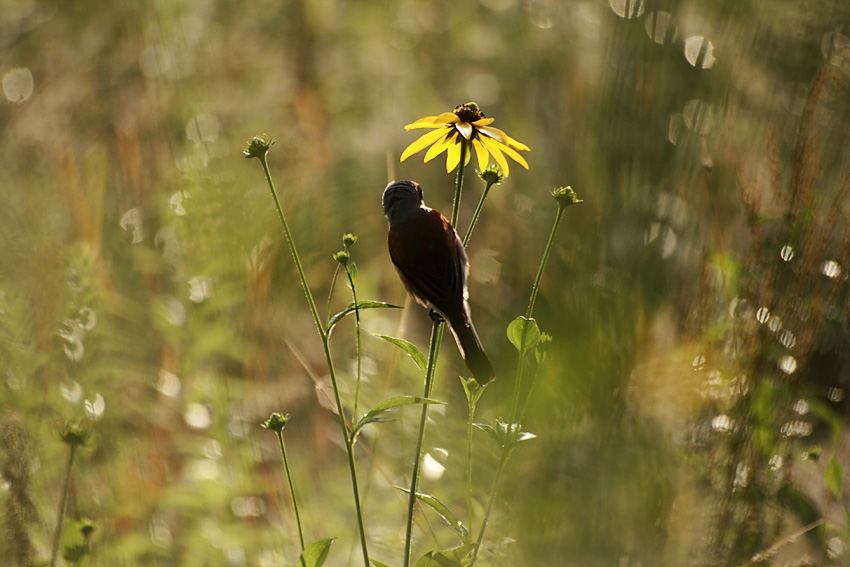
693,408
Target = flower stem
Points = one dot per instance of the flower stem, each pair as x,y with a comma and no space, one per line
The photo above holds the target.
530,311
60,516
513,428
464,149
433,353
490,500
291,242
291,488
357,340
346,433
331,293
469,428
477,213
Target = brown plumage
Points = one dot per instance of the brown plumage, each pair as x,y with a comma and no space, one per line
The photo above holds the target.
432,263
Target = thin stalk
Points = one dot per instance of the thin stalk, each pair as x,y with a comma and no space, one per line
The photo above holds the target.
513,428
490,500
331,292
477,213
433,352
358,344
349,443
291,243
60,516
530,311
291,488
469,428
464,150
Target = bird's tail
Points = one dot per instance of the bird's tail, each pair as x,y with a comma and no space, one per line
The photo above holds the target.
473,353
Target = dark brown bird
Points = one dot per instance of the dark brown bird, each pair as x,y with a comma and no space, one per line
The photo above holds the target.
432,263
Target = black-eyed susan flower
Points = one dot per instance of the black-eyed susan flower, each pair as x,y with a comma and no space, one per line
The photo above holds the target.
463,127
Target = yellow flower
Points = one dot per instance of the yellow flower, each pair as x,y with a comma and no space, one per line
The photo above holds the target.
467,124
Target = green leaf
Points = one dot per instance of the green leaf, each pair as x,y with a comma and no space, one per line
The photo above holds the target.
352,275
418,358
360,305
505,435
446,558
523,333
390,404
472,389
315,554
834,477
447,515
377,563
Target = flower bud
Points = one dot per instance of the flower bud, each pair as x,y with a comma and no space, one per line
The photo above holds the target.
276,421
566,197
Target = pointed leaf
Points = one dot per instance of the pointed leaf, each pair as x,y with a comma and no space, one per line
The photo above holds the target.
418,358
834,477
472,389
446,558
428,561
523,333
377,563
445,513
315,554
506,435
352,275
491,433
359,305
390,404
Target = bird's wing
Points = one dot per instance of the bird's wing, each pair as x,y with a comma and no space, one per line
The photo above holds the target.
431,260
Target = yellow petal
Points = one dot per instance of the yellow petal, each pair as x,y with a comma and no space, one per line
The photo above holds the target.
453,155
439,147
507,140
464,128
447,118
483,122
424,141
481,153
516,157
493,146
427,122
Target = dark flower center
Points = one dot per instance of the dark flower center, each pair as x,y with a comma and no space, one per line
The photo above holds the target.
469,112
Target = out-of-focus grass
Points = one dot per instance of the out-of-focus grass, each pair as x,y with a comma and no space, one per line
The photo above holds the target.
126,199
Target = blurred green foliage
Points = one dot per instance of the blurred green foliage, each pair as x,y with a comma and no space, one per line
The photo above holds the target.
697,300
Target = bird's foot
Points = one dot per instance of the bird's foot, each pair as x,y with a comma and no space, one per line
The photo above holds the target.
434,315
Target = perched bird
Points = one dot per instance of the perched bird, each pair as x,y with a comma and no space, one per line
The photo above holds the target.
432,263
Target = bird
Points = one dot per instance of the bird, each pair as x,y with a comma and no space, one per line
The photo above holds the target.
433,266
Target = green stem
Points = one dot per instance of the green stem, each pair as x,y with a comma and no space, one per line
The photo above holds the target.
433,352
464,149
469,429
331,292
60,516
436,337
490,500
513,428
357,340
477,214
291,242
291,488
530,311
349,442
